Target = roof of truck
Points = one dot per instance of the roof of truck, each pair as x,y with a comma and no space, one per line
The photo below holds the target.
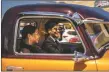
61,8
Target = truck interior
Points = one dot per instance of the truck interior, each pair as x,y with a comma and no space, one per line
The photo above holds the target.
41,22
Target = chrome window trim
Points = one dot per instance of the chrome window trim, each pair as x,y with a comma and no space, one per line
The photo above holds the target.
93,21
48,54
43,13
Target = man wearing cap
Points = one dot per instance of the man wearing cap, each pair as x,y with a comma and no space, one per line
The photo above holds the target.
51,44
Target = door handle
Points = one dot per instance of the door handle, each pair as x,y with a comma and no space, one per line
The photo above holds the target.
14,68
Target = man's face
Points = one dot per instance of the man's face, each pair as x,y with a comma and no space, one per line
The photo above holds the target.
55,31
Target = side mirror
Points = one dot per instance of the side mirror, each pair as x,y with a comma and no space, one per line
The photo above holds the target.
80,57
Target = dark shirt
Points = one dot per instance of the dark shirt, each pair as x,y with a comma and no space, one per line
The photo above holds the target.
32,49
51,45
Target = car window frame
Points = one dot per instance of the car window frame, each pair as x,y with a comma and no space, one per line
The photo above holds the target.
44,54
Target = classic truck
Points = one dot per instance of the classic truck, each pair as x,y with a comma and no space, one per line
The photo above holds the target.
90,24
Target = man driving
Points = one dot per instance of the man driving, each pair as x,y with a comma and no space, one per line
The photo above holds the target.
51,44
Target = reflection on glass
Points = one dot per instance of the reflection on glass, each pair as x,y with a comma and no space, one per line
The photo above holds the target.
98,33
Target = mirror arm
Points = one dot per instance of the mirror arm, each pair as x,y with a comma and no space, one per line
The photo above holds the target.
82,58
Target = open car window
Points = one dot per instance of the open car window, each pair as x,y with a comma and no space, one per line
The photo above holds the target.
98,33
53,35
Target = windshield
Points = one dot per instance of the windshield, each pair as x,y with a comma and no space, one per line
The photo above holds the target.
98,33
